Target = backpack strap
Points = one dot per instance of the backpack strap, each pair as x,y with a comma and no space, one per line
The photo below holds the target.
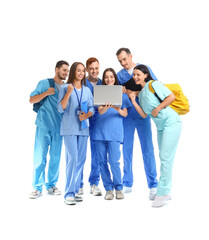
152,90
51,82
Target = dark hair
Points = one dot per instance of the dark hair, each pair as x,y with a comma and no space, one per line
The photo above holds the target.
72,73
60,63
145,70
114,74
123,49
91,60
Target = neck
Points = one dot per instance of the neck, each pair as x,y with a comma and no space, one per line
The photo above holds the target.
77,84
91,79
143,84
132,65
58,80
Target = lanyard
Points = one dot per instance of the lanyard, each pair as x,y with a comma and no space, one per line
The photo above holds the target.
79,101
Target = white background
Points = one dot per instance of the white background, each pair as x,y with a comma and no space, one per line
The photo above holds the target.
169,36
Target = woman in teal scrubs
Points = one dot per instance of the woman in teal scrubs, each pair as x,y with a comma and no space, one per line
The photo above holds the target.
168,124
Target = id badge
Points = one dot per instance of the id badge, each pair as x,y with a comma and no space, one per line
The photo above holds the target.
78,111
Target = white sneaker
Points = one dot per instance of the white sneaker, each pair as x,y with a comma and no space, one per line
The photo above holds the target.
80,192
95,190
35,194
119,194
70,201
78,198
160,201
127,189
109,195
152,193
54,191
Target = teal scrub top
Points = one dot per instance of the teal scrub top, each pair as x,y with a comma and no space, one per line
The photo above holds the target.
148,101
48,117
109,126
123,77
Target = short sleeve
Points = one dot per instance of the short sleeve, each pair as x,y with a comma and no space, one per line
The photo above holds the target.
62,93
42,86
161,90
126,101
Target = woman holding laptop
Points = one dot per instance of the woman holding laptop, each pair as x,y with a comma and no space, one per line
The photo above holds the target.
108,135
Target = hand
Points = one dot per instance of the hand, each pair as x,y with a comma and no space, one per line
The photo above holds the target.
124,89
108,105
132,96
70,87
155,112
50,91
82,116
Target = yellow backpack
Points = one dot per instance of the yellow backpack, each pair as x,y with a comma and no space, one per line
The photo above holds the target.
180,104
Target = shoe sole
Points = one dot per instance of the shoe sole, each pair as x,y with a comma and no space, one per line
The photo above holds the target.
72,203
77,200
34,197
54,193
97,194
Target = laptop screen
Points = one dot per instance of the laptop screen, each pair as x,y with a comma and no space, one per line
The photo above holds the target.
108,94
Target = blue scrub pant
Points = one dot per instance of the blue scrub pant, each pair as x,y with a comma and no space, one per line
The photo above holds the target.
143,127
43,140
108,151
167,141
75,154
94,176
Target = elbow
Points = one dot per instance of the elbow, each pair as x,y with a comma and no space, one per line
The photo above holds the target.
31,100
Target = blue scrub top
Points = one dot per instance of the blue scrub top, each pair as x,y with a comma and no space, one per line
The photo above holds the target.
109,126
149,102
70,124
48,117
123,77
91,87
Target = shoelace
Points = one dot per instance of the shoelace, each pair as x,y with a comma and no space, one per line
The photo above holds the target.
54,189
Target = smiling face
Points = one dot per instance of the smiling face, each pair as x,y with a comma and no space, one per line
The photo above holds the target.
93,70
62,72
139,77
79,72
109,78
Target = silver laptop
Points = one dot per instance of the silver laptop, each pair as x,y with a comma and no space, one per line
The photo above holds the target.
108,94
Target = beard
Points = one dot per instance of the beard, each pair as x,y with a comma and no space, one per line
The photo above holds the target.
62,78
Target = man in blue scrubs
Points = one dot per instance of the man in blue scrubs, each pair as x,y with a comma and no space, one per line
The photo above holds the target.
132,122
92,67
48,132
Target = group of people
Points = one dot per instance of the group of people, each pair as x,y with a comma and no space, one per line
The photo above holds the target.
67,112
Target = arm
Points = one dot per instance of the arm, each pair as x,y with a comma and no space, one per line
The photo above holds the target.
39,97
163,104
122,112
66,98
137,107
84,116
